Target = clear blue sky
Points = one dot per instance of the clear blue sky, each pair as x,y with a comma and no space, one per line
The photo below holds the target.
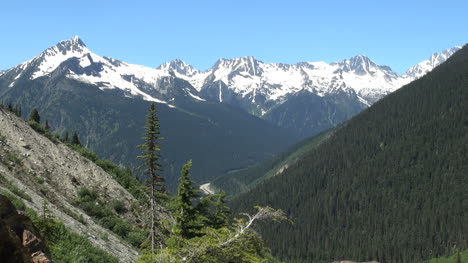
395,33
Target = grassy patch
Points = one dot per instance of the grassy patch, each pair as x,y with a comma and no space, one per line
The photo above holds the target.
17,202
120,175
452,259
14,189
38,128
106,214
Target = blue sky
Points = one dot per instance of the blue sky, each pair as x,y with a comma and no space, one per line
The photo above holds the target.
394,33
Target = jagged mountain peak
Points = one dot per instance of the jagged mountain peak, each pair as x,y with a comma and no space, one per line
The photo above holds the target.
362,65
179,66
234,62
424,67
360,58
52,57
359,64
247,64
74,44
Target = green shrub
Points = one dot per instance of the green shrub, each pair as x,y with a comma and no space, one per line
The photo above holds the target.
136,237
118,206
39,180
12,157
105,216
18,203
121,228
87,195
70,247
41,130
85,152
37,127
14,189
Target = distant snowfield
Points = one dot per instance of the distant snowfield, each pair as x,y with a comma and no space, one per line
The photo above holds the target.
246,77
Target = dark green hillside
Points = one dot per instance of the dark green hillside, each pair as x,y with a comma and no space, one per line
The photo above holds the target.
217,137
238,181
310,114
390,185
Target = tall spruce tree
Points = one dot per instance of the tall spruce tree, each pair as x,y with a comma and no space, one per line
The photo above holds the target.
34,116
214,211
221,213
187,217
75,139
151,163
18,110
65,137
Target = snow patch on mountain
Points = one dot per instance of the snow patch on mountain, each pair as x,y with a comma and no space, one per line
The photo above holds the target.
105,73
435,60
261,84
50,59
249,77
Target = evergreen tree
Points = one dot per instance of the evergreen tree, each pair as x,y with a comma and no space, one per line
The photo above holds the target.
46,126
214,211
46,223
221,213
10,107
150,158
34,116
75,139
18,110
186,216
65,137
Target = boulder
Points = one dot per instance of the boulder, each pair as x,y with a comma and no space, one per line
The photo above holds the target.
19,238
40,257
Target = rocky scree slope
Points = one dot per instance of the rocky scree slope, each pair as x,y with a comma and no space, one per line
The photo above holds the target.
54,172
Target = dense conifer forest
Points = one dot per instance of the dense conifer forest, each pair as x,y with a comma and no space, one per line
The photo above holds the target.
390,185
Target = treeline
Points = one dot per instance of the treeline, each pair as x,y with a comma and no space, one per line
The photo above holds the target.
238,181
391,185
35,122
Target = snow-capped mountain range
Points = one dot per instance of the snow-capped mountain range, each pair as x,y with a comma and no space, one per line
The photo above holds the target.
246,77
246,82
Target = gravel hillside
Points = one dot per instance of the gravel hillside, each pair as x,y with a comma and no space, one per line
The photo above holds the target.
45,170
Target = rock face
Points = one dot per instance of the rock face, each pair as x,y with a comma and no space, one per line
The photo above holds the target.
20,241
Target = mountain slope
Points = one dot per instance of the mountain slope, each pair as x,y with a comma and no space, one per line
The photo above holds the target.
217,137
37,169
241,180
389,185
